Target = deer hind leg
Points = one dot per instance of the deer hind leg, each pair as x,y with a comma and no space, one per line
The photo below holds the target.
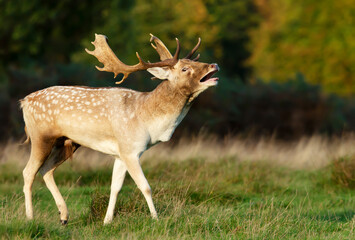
63,149
118,175
40,149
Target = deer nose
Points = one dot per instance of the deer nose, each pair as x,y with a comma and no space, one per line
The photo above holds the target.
215,66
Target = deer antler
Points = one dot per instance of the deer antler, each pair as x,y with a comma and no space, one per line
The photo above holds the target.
164,52
188,56
160,47
111,63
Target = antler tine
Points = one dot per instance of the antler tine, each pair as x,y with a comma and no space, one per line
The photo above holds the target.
106,56
188,56
162,50
196,58
177,52
160,47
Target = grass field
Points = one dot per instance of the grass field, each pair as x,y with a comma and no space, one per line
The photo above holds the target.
203,189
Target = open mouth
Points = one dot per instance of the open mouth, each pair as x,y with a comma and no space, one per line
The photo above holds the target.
207,79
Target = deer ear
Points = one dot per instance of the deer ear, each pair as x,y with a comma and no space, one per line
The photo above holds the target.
160,72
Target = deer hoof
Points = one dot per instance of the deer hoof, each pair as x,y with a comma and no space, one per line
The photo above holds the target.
64,222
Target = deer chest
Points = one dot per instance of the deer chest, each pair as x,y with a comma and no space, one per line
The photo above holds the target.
162,128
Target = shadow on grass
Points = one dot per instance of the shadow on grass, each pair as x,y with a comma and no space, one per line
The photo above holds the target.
342,216
32,230
220,198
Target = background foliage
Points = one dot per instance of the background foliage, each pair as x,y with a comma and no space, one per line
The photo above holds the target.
309,36
282,62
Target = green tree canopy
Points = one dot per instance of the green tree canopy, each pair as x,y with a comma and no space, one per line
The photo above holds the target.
313,37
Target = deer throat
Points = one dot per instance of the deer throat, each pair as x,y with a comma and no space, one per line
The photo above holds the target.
166,108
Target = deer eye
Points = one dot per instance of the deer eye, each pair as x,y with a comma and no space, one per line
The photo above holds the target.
184,69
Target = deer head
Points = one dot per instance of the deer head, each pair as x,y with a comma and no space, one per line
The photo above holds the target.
189,76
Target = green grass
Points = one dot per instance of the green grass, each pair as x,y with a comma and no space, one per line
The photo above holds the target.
195,199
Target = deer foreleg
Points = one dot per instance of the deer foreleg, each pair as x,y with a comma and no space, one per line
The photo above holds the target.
136,172
118,175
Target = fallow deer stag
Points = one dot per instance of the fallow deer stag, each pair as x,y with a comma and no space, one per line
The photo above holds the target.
116,121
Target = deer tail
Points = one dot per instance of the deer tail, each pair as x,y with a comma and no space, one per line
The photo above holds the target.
27,141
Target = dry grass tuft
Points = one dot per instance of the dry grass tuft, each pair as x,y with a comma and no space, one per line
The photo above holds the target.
98,206
306,153
343,172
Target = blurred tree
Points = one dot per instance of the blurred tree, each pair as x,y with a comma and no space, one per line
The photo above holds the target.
44,30
187,19
235,20
308,36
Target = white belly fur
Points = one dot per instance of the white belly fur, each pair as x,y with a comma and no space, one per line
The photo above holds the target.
106,145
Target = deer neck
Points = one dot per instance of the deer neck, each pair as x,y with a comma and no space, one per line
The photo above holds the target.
163,109
168,97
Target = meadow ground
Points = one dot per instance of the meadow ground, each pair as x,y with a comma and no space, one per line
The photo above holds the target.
203,188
